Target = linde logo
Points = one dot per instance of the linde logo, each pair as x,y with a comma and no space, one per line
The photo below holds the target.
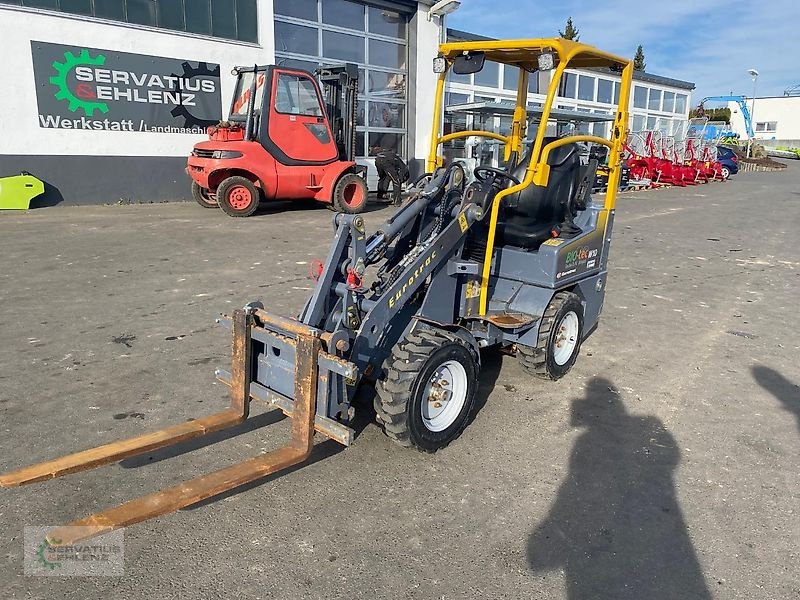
94,89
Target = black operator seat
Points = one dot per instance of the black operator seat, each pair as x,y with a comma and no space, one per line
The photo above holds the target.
529,216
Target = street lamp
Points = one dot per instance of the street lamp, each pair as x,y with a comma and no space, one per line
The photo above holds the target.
754,74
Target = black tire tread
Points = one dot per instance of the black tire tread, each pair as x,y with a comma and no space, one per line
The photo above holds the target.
222,190
534,360
400,369
344,181
197,194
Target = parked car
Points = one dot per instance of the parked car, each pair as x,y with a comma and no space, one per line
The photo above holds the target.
729,161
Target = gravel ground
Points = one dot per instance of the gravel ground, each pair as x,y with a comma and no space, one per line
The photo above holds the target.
663,466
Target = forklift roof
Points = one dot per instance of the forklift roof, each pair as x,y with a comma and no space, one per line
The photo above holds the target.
525,53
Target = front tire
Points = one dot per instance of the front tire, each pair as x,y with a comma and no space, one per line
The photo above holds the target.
202,196
427,392
350,194
238,197
559,341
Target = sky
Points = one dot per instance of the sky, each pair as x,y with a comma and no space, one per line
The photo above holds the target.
712,44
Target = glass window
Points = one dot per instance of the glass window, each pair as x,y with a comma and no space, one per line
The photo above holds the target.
569,84
385,141
386,114
342,13
300,9
170,14
361,111
306,65
638,123
605,91
533,82
295,38
242,94
651,122
510,77
360,144
246,20
198,16
297,96
451,98
489,75
42,4
585,87
387,54
387,85
669,102
342,46
78,7
109,9
453,77
616,92
654,103
223,18
640,96
386,22
142,12
680,103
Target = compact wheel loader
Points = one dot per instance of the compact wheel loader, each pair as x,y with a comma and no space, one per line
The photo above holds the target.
513,258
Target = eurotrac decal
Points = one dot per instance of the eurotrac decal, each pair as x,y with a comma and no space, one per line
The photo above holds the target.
102,90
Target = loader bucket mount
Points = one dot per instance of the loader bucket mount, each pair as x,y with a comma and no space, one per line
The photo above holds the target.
307,342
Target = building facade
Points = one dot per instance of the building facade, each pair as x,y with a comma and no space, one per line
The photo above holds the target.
106,98
775,120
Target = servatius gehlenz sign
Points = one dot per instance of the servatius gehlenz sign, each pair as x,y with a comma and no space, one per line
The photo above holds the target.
101,90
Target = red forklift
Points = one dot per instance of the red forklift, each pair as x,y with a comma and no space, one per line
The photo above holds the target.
284,139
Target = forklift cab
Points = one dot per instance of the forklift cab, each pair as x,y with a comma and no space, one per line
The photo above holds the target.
286,114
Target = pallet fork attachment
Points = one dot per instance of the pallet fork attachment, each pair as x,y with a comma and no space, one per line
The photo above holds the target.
308,348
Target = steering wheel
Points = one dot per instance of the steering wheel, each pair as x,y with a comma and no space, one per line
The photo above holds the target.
499,172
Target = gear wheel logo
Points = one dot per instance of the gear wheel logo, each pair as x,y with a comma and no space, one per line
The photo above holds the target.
42,559
60,81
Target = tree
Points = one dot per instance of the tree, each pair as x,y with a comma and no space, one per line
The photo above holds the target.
570,33
638,60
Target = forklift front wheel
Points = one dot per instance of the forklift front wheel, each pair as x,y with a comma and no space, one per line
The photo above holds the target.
202,196
237,196
427,392
559,340
350,194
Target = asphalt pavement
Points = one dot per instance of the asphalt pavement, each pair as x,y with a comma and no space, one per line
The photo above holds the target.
664,466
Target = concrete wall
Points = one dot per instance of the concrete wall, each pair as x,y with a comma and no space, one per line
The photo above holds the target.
783,111
135,165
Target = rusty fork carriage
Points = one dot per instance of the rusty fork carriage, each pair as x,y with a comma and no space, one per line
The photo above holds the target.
311,364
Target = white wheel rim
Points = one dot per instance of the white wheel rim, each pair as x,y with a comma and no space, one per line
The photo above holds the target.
725,172
444,396
566,338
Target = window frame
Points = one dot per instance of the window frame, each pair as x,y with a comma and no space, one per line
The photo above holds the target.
298,77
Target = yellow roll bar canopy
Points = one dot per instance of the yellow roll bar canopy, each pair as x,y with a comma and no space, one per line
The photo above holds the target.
525,55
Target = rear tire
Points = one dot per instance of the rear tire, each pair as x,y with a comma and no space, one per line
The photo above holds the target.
427,392
238,197
726,172
559,341
202,196
350,194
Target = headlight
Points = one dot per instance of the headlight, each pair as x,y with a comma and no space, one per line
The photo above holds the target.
439,64
219,154
546,61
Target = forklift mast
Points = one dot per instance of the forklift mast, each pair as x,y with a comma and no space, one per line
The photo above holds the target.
340,87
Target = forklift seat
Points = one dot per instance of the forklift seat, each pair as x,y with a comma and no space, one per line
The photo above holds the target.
530,215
